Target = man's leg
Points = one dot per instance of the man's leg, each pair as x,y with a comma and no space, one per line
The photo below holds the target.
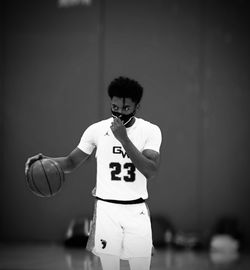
140,263
110,262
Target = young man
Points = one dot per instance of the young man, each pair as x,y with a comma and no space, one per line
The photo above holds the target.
127,154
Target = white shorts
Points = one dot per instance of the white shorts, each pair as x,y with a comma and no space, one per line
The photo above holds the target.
121,230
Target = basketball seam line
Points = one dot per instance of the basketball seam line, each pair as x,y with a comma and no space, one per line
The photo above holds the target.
61,174
47,179
34,183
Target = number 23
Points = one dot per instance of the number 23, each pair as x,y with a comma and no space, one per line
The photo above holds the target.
117,168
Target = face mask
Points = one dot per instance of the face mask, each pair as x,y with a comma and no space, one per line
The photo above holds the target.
125,118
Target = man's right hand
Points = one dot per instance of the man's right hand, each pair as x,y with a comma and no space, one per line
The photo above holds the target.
31,160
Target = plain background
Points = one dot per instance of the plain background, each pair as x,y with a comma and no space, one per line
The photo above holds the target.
192,58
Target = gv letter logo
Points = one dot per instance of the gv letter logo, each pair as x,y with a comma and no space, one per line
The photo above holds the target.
118,150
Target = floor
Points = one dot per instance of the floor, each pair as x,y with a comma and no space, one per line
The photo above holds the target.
55,257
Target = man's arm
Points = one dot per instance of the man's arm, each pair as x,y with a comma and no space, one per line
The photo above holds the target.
72,161
147,162
67,163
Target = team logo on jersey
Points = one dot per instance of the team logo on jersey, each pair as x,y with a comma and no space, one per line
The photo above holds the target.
104,243
118,150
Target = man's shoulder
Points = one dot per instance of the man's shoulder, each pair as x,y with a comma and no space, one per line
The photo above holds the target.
99,125
146,124
103,122
150,132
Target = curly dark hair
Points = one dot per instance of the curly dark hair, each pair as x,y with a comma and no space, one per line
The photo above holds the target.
126,88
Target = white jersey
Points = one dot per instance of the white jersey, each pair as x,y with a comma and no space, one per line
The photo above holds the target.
117,177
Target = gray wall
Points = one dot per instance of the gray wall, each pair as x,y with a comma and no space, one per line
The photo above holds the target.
192,57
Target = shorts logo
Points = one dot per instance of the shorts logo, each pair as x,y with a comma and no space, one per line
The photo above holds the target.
104,243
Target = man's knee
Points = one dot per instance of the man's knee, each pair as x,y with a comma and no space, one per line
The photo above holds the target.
140,263
110,262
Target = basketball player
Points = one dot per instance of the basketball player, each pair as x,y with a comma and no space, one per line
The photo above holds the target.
127,154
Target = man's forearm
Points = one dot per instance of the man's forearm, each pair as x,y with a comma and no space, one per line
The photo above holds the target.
63,162
71,161
146,166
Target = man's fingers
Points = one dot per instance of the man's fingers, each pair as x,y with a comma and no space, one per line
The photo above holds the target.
27,166
117,121
32,160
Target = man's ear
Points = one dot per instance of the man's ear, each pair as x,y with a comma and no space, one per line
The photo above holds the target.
138,107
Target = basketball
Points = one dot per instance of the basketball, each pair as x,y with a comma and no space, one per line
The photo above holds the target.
45,177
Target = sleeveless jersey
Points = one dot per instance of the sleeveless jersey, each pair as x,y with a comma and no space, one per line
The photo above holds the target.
117,178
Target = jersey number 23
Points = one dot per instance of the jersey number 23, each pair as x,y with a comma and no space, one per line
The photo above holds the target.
116,169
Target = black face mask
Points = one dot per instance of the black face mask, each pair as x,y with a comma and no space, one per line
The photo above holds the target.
125,118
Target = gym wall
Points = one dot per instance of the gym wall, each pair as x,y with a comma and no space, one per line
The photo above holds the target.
192,59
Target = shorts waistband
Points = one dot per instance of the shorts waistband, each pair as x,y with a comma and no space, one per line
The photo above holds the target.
140,200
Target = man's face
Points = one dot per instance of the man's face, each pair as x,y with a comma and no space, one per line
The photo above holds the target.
125,109
123,105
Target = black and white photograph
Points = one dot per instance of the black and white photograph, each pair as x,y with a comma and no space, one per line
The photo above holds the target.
124,135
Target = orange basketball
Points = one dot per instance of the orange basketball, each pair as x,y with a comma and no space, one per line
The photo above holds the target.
45,177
